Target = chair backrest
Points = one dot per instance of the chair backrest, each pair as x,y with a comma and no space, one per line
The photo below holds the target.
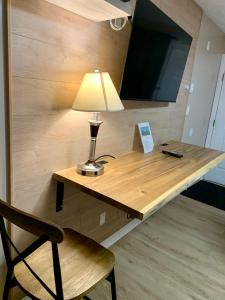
45,231
31,223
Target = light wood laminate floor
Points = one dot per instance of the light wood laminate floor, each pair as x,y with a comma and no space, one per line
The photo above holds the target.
177,254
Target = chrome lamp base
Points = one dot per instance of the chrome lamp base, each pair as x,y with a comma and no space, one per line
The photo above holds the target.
90,168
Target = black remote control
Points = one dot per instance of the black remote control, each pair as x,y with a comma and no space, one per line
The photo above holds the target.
172,153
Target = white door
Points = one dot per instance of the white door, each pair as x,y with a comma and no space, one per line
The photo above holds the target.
216,132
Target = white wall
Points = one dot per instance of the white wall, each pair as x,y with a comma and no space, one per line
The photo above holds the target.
2,145
205,73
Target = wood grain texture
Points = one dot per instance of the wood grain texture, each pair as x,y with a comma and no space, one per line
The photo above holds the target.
30,223
140,183
51,50
84,263
178,253
95,10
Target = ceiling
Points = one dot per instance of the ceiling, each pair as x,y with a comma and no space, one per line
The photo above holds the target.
215,9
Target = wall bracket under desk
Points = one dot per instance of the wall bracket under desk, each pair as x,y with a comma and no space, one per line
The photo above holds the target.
59,195
140,184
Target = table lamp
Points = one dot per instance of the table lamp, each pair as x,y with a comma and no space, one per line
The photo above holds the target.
97,93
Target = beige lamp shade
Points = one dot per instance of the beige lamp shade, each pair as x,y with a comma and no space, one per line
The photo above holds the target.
97,93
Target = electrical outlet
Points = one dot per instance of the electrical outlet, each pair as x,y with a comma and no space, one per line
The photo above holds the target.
192,87
208,46
188,110
187,87
102,218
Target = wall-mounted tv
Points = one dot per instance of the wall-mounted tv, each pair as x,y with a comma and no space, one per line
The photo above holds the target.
157,56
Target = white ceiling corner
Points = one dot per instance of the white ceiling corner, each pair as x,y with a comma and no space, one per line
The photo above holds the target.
215,10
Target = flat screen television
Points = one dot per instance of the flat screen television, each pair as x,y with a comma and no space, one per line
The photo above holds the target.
156,58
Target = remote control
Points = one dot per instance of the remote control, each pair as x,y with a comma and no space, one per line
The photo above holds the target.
173,153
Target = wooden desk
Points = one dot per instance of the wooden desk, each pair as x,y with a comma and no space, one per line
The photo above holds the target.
141,183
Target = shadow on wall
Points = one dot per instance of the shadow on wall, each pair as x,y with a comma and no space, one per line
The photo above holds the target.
143,104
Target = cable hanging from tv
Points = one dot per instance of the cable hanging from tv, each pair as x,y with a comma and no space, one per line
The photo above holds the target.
118,24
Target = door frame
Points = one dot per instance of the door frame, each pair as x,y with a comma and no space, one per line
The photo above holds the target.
216,102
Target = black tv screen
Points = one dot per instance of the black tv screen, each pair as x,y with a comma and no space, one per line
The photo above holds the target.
157,56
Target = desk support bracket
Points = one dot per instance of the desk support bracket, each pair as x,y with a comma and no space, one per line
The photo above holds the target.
59,196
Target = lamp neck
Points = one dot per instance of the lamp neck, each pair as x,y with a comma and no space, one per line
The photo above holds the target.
94,127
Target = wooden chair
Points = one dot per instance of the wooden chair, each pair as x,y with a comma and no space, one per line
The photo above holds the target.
60,264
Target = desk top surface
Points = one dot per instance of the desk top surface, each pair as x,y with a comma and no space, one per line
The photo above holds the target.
142,183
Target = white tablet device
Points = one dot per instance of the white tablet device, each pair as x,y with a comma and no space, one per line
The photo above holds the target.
146,136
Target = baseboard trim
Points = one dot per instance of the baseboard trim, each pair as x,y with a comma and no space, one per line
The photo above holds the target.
120,233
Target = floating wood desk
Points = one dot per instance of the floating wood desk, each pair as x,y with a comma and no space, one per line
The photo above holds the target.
141,183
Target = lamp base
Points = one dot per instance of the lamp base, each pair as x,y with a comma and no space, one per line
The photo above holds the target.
90,168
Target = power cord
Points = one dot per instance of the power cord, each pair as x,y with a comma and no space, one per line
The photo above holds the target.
105,155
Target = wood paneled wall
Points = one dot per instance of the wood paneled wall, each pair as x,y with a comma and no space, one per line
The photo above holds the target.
51,49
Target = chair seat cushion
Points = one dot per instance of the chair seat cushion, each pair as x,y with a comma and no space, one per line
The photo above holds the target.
83,264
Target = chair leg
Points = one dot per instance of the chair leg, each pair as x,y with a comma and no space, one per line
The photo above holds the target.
112,280
8,285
